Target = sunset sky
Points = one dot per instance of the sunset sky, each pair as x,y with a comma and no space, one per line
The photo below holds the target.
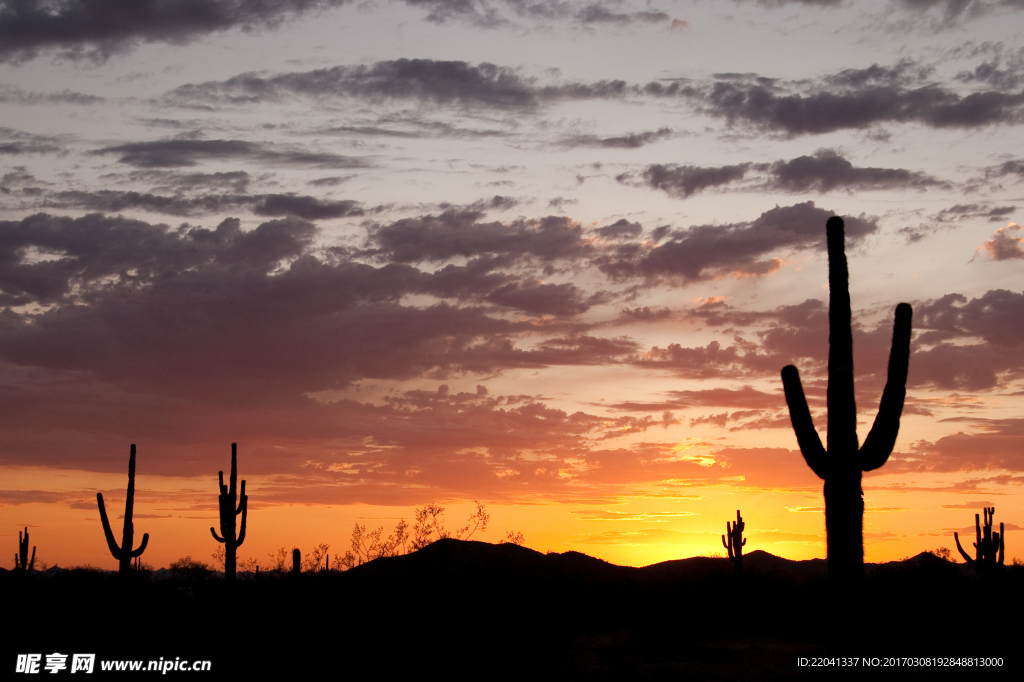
546,256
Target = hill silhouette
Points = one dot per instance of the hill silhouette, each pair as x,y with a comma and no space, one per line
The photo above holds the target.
461,607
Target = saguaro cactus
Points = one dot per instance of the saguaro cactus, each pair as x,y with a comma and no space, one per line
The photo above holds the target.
987,545
124,553
296,561
734,531
231,505
22,563
841,463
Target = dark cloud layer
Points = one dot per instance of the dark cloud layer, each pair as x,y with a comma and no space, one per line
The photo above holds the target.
741,249
847,99
860,102
442,82
498,12
825,171
99,27
189,152
15,142
274,205
683,181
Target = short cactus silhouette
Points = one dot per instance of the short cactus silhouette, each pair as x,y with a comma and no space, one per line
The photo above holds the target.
734,532
22,563
988,546
124,553
231,505
841,464
296,561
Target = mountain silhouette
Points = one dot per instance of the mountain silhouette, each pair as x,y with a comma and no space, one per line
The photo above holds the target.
464,607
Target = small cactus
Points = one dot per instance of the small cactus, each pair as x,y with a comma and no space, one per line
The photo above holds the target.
986,546
231,505
124,553
22,563
296,561
734,531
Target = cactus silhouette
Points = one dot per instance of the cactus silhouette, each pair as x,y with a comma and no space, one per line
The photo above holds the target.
124,553
22,563
842,462
986,546
734,531
296,561
231,505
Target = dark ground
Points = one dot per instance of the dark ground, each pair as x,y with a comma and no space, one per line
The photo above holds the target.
480,611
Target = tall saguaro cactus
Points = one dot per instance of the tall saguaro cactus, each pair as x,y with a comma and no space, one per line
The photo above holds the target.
841,463
734,532
986,546
124,553
231,505
22,563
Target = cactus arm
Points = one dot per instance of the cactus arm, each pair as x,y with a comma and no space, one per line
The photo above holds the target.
969,560
800,416
882,438
217,537
242,500
727,545
142,547
245,511
979,554
1001,548
111,542
744,543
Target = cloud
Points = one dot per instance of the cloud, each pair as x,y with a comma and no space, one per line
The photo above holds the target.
13,95
188,152
306,207
683,181
97,28
845,102
273,205
500,12
994,316
17,497
827,171
460,233
627,141
132,302
17,142
941,353
439,82
1003,245
706,252
997,445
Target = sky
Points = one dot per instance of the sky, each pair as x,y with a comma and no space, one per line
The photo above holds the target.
549,257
